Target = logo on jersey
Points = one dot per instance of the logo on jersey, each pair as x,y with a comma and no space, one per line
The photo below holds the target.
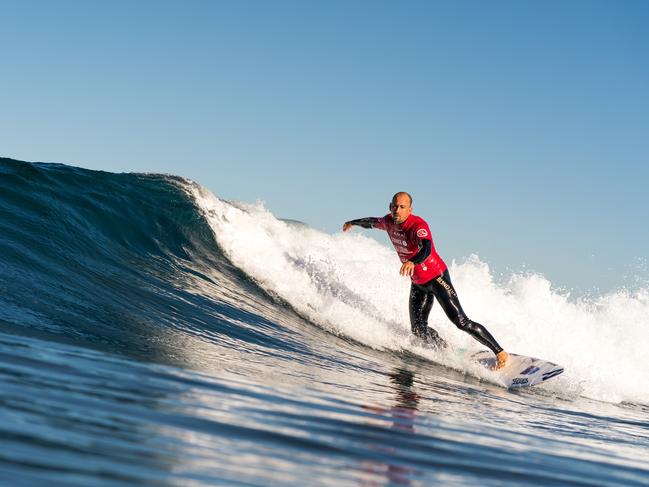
422,232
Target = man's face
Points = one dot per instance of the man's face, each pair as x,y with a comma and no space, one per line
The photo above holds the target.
400,209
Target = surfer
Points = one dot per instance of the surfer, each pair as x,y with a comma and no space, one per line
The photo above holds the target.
429,275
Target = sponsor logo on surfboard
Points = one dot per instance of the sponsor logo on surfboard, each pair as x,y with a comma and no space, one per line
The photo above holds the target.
530,370
552,373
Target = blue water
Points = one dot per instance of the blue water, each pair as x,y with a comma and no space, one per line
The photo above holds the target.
137,349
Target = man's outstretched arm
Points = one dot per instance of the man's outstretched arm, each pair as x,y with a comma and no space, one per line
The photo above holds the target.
368,222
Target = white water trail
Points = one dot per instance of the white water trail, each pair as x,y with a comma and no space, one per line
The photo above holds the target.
349,284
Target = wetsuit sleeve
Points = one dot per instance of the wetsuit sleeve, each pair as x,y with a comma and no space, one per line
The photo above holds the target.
425,242
424,252
369,222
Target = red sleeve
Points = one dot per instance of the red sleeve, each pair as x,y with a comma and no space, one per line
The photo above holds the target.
422,231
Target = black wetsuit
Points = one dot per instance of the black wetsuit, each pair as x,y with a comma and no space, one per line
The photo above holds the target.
422,297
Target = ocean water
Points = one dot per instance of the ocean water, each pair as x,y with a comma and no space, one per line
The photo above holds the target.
152,333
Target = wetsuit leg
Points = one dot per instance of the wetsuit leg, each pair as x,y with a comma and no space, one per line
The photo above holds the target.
447,297
421,301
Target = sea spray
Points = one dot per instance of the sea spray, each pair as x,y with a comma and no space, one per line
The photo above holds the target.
349,284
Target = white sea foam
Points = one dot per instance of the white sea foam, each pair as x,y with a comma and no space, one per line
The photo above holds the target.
349,284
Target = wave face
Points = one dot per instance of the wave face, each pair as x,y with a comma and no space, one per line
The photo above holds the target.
150,331
119,261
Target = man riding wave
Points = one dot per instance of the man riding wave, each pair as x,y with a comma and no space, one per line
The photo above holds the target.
429,275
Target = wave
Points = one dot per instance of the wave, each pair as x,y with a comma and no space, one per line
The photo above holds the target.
158,268
125,263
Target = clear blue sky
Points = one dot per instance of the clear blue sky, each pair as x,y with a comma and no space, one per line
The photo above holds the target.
521,128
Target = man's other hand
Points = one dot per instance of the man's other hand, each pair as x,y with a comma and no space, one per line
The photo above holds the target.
407,269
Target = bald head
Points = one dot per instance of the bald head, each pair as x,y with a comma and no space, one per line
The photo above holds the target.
401,207
402,193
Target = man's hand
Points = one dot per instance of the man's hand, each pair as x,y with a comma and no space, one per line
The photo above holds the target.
346,226
407,269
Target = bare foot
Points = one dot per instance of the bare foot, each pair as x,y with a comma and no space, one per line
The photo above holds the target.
501,360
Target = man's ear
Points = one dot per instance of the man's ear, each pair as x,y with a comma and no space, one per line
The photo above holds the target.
390,206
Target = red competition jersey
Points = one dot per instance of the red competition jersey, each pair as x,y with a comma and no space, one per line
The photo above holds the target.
405,238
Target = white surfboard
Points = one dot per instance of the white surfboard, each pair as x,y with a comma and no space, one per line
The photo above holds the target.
520,371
